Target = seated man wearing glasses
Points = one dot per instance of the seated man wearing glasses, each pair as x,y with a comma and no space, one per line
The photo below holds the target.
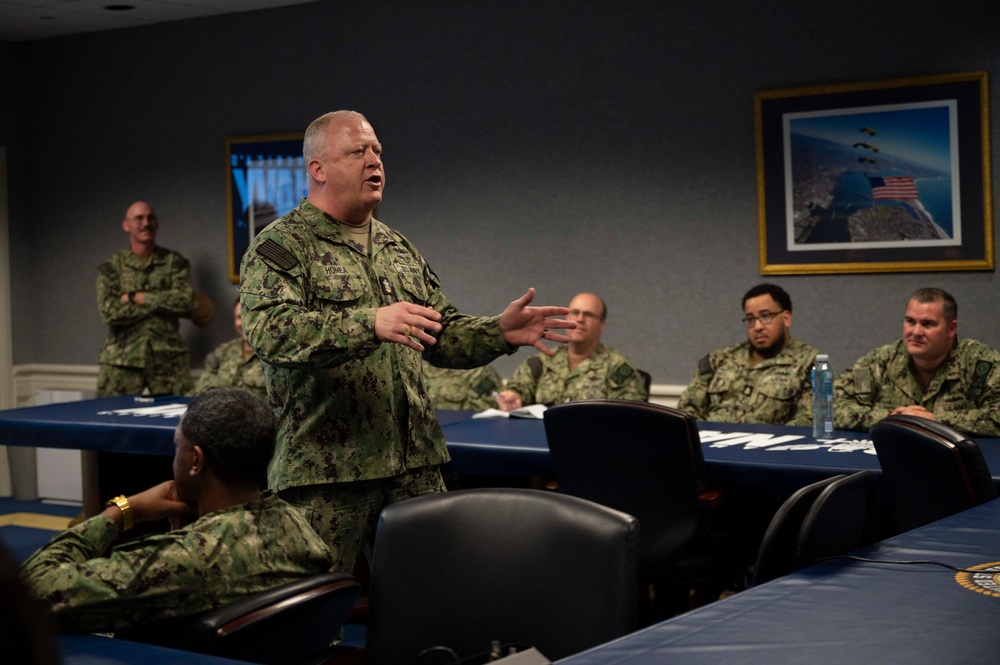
583,369
766,379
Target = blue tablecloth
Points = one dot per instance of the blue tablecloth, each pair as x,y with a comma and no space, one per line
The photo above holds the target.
848,612
775,457
109,424
98,650
778,458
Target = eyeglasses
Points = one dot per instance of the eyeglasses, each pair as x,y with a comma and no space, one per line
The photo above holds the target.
590,316
765,317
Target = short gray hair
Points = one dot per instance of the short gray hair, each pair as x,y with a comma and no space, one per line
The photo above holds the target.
314,143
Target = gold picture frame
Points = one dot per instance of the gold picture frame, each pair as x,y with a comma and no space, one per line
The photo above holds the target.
880,176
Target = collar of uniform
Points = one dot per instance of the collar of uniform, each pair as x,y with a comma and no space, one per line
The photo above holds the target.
951,369
332,229
156,258
780,358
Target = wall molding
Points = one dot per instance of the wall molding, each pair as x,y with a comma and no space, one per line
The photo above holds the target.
36,376
32,377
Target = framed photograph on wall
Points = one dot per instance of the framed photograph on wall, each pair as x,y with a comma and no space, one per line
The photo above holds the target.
265,178
883,176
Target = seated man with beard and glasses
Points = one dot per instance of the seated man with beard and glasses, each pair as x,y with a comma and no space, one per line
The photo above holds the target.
766,379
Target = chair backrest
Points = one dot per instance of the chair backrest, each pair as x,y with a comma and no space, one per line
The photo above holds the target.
647,381
777,548
643,459
284,625
460,569
840,519
932,470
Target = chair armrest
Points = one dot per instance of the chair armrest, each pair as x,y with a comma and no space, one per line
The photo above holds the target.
710,500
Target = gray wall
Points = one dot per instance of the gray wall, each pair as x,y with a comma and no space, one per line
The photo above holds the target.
570,146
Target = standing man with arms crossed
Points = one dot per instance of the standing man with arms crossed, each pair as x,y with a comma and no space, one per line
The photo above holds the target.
342,309
766,379
583,369
929,373
141,293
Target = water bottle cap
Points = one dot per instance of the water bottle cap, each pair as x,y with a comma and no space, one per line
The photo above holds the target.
822,356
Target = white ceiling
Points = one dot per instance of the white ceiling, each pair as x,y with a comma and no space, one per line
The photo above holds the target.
25,20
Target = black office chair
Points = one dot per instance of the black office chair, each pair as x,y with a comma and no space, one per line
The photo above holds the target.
647,381
840,520
457,570
932,470
777,548
646,460
293,623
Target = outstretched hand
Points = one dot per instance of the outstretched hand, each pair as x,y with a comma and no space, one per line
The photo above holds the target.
522,325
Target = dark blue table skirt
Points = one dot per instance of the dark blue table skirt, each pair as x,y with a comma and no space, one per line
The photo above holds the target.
775,457
99,650
847,612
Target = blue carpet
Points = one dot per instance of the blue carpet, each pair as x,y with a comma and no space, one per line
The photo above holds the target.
9,505
21,541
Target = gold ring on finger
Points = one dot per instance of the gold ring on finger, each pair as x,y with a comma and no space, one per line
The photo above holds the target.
407,330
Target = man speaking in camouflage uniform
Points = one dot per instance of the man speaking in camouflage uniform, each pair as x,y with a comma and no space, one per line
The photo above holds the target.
929,373
233,364
342,310
141,293
583,369
242,541
766,379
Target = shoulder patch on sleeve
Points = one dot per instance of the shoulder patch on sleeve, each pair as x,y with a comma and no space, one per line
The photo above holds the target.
980,374
485,386
106,269
622,373
277,254
705,365
535,365
212,361
863,380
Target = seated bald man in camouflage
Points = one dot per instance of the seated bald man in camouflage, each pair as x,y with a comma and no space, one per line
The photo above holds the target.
928,373
233,364
242,541
766,379
583,369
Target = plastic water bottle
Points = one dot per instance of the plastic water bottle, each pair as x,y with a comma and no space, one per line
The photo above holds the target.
822,387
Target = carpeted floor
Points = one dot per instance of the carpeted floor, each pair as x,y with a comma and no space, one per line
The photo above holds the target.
27,525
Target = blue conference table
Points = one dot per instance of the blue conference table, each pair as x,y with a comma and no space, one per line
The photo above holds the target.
846,611
776,458
100,650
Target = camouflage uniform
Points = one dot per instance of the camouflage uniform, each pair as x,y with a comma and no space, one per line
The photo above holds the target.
605,373
727,389
225,368
965,391
350,408
462,388
220,558
144,348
